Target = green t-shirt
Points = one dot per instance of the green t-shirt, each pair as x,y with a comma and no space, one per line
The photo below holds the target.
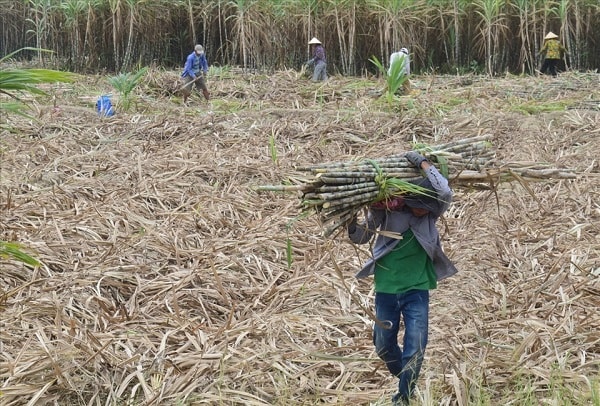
405,268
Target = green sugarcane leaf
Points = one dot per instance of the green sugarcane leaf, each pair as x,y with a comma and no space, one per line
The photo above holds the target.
395,78
288,245
443,163
14,82
288,253
421,147
14,251
399,187
273,149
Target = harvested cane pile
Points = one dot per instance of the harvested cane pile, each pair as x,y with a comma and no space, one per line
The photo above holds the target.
338,190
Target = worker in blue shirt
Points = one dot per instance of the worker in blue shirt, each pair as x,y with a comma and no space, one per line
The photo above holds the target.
194,72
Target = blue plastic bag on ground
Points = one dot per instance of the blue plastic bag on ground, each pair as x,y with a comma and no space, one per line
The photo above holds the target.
104,106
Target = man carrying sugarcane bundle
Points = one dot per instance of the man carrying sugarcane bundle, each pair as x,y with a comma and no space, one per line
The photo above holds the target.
407,261
194,73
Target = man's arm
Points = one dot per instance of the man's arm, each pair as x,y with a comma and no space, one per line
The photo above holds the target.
204,63
361,233
438,182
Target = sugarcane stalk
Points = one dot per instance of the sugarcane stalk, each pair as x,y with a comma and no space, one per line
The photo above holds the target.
349,174
350,205
477,143
333,217
351,199
349,164
394,165
331,214
465,141
461,148
341,222
343,187
310,196
412,172
282,188
342,181
364,168
329,204
545,173
312,202
337,195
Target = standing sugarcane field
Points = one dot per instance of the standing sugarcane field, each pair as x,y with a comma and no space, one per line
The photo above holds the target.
157,249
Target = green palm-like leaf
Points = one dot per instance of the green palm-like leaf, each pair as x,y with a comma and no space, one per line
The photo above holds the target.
124,83
395,78
14,82
26,79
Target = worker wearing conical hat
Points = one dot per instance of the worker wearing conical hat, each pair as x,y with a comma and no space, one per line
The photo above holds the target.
318,60
553,52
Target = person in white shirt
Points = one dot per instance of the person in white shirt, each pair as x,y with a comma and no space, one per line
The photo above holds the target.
403,58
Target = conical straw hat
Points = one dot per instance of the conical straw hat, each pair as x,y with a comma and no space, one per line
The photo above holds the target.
314,41
551,35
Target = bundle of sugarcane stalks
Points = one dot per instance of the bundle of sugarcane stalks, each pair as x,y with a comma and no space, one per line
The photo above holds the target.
338,190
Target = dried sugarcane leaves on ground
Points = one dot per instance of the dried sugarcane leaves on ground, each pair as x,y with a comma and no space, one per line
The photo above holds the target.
166,278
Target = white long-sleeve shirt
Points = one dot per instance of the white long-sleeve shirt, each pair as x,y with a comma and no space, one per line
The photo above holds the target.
400,56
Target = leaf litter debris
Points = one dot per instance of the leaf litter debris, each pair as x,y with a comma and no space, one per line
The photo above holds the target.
165,278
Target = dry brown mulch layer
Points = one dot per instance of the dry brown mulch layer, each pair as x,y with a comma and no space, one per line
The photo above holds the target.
167,279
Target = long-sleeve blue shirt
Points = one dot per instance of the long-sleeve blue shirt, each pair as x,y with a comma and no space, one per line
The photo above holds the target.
193,64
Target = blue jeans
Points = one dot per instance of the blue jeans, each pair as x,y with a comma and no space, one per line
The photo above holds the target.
404,363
